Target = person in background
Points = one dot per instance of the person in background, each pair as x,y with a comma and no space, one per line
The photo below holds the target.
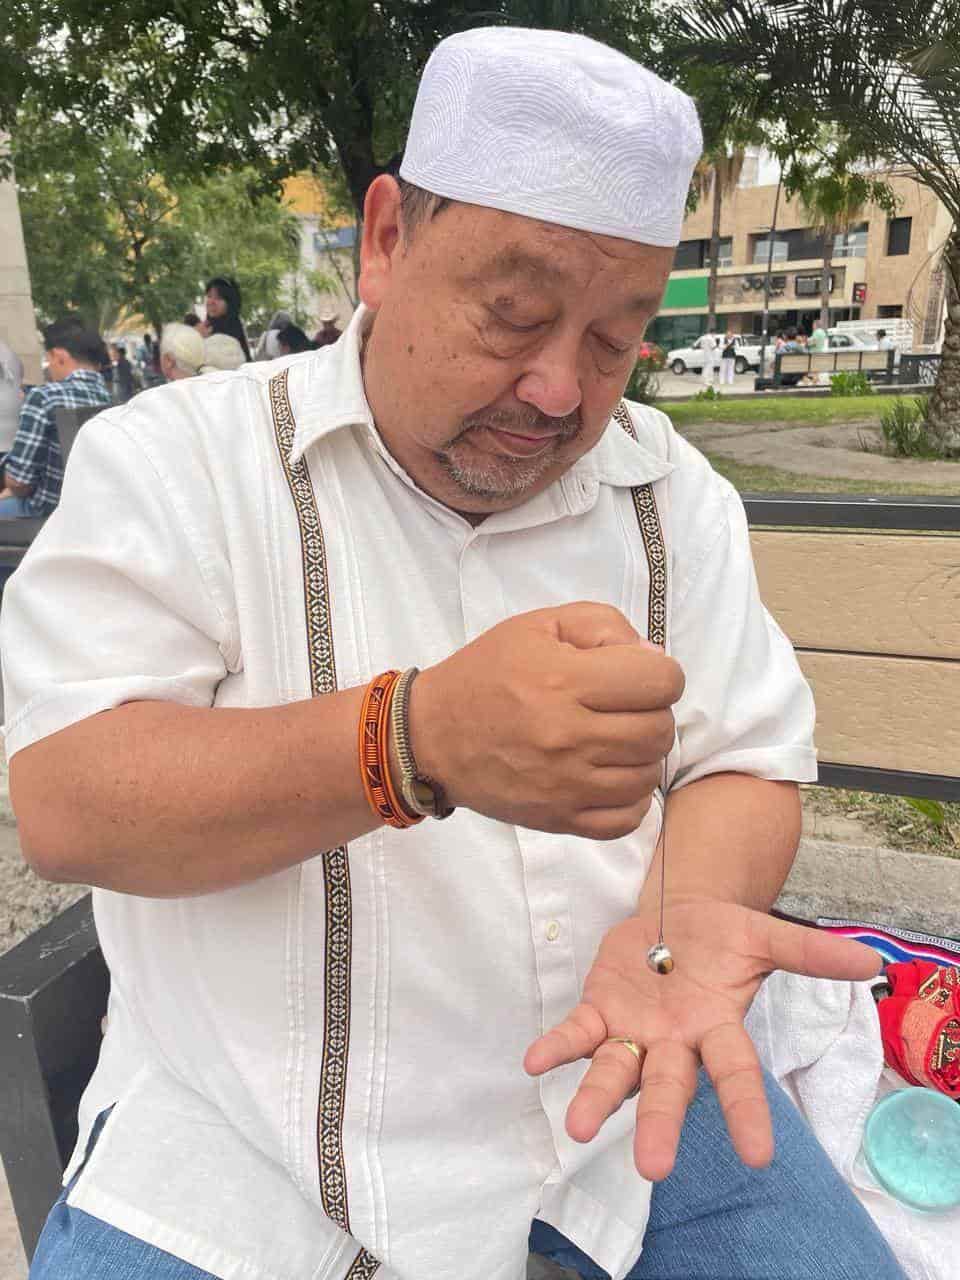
123,382
728,360
709,344
883,342
220,352
328,333
223,301
292,340
267,347
181,351
193,320
11,394
818,339
793,343
33,469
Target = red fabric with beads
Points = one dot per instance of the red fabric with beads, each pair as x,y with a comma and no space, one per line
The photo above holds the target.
920,1024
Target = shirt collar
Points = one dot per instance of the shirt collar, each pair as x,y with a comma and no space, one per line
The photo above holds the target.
334,397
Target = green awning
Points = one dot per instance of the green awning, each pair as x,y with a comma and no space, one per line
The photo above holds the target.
689,292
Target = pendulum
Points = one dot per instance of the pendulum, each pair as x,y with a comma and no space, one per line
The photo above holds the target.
659,957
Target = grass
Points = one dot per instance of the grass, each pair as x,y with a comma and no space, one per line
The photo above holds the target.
892,819
813,411
749,478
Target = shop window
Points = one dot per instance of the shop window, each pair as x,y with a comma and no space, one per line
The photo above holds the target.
898,236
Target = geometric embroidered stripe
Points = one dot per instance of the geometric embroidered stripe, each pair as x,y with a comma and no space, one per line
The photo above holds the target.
336,865
645,505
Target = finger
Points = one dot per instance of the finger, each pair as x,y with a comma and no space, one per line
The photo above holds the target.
610,824
733,1066
628,738
617,788
667,1087
626,677
588,625
611,1078
576,1037
818,954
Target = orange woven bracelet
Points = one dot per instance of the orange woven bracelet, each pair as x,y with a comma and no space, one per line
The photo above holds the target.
374,759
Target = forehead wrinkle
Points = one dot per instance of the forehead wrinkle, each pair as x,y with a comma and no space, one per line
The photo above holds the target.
514,261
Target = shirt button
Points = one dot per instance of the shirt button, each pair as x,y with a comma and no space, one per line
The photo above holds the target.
553,931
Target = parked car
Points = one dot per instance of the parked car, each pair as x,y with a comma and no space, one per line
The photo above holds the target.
684,358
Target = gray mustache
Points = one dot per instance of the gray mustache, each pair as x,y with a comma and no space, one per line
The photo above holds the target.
532,423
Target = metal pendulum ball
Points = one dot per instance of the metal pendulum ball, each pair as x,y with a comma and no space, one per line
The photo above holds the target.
659,957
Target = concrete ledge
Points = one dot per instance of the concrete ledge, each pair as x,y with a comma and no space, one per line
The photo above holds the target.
879,886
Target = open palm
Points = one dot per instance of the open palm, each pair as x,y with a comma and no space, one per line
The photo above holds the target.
723,952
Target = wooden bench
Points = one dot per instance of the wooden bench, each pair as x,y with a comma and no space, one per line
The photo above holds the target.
795,365
869,591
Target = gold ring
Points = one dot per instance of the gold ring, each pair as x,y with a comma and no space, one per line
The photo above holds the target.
630,1044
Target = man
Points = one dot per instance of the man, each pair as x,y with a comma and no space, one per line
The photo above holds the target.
33,469
709,344
883,342
323,997
328,333
818,339
123,383
181,351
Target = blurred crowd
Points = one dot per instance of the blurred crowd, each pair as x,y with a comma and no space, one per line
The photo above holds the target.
83,373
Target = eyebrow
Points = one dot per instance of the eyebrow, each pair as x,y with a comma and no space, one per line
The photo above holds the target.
512,261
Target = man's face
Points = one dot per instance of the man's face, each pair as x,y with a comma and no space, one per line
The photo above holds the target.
500,345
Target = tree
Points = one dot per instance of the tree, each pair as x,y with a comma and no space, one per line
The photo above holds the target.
107,234
889,75
718,173
833,195
304,85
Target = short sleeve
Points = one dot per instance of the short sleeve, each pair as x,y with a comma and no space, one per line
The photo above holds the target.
746,707
116,601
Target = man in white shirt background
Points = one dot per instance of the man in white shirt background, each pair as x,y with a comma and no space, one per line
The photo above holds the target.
709,344
349,1034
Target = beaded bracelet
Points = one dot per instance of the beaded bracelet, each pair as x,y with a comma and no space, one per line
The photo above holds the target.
374,752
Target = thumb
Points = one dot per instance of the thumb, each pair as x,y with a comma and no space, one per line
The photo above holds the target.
587,625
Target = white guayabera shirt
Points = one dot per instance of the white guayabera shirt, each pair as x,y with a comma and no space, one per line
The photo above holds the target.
319,1075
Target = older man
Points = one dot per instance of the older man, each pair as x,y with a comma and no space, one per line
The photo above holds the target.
181,351
345,907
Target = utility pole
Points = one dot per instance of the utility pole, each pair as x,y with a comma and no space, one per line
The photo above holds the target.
766,283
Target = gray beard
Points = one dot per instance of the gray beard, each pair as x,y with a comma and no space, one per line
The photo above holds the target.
503,477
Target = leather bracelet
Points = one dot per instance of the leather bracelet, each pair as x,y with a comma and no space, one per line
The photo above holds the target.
420,794
374,759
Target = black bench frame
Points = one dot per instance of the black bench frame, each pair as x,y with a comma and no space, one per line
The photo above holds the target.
53,986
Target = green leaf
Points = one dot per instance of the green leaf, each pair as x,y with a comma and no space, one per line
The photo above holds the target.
931,809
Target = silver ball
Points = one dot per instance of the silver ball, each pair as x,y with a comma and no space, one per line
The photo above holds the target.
659,958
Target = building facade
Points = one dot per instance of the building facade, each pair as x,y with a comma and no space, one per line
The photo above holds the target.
883,267
326,282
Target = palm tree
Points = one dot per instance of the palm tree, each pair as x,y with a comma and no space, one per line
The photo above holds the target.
719,173
889,75
833,195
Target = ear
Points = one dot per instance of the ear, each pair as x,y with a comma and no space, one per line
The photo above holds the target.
381,239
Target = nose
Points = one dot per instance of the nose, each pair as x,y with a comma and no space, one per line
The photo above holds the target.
552,383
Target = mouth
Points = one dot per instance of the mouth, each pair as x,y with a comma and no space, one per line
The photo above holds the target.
515,445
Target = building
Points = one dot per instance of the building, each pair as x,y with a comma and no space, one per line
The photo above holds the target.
883,267
18,326
326,281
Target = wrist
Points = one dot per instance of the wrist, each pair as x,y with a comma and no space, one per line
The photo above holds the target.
425,721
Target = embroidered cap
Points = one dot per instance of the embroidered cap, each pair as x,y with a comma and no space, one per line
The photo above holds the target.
557,127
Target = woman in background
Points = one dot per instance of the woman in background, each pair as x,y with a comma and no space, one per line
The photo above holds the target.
223,311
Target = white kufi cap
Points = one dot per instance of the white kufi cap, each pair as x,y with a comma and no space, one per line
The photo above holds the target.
557,127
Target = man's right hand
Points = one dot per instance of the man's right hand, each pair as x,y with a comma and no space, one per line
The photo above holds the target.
557,720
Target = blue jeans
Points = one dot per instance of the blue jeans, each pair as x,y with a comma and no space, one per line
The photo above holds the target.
715,1219
712,1219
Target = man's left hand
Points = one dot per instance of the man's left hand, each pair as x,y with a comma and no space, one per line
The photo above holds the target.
722,953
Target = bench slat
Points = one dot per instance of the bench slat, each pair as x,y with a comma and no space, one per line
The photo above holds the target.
887,713
863,593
